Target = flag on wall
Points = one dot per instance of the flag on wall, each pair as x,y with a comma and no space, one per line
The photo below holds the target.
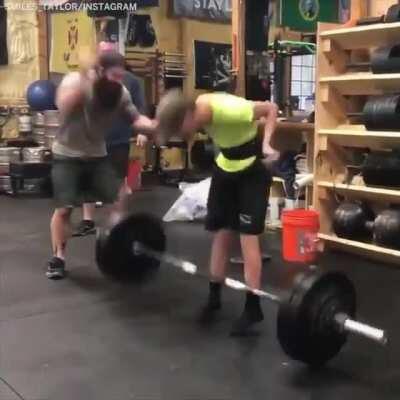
71,34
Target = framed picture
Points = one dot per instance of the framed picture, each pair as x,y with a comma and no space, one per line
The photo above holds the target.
213,65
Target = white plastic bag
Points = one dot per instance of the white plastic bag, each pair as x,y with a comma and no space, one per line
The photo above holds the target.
192,204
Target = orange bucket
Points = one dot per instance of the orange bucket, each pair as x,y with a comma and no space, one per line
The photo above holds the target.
300,235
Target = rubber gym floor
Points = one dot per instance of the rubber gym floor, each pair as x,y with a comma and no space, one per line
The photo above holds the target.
88,338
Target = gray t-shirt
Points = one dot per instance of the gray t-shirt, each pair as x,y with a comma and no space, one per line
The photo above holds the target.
82,133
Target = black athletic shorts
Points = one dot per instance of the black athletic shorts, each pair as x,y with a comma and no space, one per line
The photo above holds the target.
238,201
77,181
119,157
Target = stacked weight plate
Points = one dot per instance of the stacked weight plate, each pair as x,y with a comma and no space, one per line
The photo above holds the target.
38,128
7,156
51,125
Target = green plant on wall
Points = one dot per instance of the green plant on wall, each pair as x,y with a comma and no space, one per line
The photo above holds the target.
303,15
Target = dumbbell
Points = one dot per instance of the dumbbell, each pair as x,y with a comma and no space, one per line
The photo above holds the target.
355,221
380,113
384,60
392,15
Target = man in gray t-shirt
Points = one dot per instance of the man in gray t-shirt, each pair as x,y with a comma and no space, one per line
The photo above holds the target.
88,103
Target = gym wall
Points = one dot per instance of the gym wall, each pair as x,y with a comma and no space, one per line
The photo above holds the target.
204,31
179,34
168,30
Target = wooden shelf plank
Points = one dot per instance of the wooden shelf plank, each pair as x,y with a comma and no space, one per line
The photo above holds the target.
364,36
294,127
358,136
365,249
359,133
366,192
364,83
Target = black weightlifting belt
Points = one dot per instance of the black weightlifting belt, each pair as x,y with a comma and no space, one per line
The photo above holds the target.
245,150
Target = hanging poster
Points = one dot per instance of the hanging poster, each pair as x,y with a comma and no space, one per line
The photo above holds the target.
212,10
112,31
213,64
71,34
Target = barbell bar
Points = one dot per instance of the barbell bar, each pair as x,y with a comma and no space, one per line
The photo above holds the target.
343,321
314,318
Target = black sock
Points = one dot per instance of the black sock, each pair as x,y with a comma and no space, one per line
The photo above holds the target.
214,297
251,314
252,304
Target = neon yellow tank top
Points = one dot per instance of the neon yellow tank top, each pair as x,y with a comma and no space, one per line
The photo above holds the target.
233,125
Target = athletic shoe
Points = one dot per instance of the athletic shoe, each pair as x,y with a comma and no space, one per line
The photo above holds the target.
85,227
56,269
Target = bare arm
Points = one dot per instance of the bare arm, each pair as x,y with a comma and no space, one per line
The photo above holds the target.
267,113
70,94
145,125
140,123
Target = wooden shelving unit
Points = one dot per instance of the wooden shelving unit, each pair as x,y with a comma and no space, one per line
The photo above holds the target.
340,91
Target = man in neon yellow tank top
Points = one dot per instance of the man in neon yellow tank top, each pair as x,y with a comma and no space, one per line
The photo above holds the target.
240,183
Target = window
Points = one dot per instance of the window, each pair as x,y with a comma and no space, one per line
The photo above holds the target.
303,78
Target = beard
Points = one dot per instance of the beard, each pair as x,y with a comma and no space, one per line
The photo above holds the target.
107,93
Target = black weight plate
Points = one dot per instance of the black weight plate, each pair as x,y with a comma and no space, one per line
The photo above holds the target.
114,250
350,221
387,229
393,14
382,168
306,329
202,155
382,113
386,60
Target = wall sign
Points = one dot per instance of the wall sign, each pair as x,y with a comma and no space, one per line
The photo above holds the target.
303,15
212,10
72,33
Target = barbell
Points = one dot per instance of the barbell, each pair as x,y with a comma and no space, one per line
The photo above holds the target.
314,318
356,221
384,60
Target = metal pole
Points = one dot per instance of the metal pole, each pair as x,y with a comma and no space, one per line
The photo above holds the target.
347,324
192,269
